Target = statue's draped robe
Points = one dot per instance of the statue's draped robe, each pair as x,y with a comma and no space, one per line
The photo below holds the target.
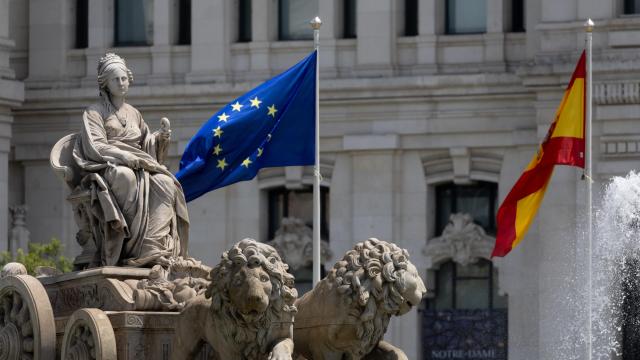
141,214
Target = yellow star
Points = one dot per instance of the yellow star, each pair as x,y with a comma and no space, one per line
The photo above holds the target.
217,150
222,164
272,110
217,132
255,102
237,106
246,163
223,117
259,152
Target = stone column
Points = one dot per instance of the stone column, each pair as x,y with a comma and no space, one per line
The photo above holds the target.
101,37
50,36
341,207
376,28
210,40
163,28
6,44
518,272
373,170
11,96
404,331
430,24
494,38
209,229
264,30
556,222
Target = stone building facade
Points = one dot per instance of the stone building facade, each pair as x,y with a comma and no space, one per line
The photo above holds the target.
416,109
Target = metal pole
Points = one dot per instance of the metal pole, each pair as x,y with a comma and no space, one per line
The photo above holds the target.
587,170
315,24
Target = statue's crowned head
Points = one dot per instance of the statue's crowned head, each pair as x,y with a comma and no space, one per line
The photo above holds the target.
107,64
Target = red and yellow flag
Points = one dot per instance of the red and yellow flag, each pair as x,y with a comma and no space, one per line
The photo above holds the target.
563,145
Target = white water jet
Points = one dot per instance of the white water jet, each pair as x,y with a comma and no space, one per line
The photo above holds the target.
616,247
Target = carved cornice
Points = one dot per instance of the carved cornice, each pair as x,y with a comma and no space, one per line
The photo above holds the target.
462,241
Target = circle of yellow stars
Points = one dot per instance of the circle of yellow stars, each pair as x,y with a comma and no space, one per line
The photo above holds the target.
218,132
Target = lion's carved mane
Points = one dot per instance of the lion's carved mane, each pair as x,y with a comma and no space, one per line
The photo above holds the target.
370,276
253,336
369,281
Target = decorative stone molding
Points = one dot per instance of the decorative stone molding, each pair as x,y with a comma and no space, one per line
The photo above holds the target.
295,177
462,241
27,329
19,236
89,335
294,242
620,146
462,165
622,92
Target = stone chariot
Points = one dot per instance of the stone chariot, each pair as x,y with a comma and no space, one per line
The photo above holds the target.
136,294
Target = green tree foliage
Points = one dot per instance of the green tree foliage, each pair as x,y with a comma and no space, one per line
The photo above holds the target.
39,255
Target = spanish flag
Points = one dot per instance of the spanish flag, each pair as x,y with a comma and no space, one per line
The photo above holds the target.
563,145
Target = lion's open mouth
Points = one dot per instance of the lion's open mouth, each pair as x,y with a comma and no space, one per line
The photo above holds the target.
251,315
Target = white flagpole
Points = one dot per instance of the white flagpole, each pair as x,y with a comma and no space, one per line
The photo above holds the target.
315,24
587,174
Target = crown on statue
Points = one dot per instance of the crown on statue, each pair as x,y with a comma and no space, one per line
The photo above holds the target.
108,59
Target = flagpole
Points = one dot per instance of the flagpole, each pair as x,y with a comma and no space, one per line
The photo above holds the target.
587,175
315,24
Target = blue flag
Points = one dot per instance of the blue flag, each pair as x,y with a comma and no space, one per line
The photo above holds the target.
271,125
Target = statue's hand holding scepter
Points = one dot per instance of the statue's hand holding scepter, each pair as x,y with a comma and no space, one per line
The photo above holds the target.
163,137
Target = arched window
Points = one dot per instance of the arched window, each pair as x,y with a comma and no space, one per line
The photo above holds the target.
477,200
297,203
471,286
464,314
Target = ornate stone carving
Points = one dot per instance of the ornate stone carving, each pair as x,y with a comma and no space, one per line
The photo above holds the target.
19,236
294,241
170,289
13,269
346,315
88,335
26,320
114,157
247,311
462,241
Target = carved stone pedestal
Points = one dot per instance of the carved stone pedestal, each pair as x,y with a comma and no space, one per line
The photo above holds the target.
99,314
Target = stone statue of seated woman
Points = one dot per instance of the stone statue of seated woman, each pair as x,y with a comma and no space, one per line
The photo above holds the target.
126,201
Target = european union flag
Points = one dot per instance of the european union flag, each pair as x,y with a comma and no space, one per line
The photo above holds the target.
271,125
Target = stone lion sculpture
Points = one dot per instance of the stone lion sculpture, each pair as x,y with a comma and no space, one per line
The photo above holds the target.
346,315
247,310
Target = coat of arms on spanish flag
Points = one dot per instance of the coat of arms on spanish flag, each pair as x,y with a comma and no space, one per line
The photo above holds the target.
563,145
